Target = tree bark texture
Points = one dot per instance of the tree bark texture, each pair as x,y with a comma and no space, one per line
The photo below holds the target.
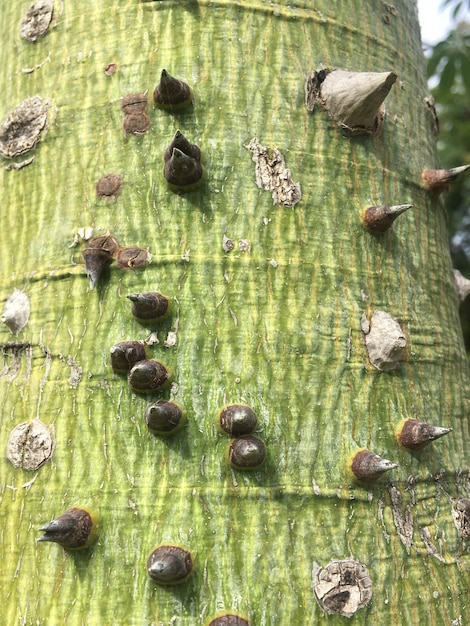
274,323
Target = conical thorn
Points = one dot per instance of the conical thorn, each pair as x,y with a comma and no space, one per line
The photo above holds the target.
179,141
379,219
439,180
96,260
171,93
182,171
368,466
416,435
354,99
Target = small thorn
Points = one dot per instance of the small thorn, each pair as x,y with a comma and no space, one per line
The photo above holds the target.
179,141
182,171
171,93
149,306
354,99
416,435
96,260
439,180
74,529
126,354
367,466
379,219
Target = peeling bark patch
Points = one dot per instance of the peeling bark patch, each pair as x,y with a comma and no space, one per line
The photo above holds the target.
76,371
12,355
403,520
430,547
16,311
109,186
461,517
342,587
430,104
30,445
272,174
19,165
385,340
21,130
37,19
312,87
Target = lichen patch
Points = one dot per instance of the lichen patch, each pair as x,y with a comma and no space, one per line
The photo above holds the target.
21,130
30,445
37,19
273,175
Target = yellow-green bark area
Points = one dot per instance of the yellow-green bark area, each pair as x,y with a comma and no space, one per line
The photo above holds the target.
277,327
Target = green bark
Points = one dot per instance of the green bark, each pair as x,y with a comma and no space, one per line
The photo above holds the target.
284,337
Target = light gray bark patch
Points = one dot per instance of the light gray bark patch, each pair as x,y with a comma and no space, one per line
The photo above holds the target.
430,547
16,312
272,174
76,371
30,445
462,285
461,517
385,340
342,586
21,130
37,19
403,519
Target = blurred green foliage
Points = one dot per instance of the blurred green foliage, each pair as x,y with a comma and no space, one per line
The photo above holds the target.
448,70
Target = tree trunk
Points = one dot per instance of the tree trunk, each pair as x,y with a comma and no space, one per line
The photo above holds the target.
274,322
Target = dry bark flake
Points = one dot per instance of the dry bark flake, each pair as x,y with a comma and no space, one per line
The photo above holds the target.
21,130
30,445
37,19
342,586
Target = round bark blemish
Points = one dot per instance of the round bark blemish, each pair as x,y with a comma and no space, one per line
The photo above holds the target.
342,586
21,130
37,19
109,186
30,445
133,258
385,340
